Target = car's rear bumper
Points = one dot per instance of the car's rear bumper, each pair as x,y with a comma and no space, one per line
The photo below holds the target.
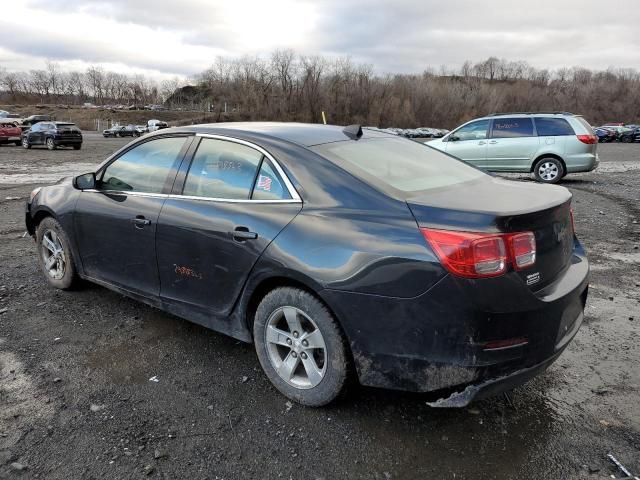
585,162
442,340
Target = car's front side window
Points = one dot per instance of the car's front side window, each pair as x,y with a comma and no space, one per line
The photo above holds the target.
472,131
222,169
144,168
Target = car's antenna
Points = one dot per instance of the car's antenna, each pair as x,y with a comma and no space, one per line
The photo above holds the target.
354,132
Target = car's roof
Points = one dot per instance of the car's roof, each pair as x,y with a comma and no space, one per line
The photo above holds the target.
305,134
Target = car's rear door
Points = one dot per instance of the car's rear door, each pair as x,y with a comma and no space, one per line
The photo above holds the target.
512,144
469,142
116,224
228,204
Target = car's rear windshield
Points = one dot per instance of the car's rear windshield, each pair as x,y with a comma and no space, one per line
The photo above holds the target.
402,164
584,123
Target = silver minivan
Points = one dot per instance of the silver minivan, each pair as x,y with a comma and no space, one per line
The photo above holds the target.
549,145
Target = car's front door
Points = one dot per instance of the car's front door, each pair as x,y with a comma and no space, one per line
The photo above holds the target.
224,212
512,144
36,133
115,224
469,142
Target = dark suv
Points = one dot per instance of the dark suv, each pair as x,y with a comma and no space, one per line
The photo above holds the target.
53,135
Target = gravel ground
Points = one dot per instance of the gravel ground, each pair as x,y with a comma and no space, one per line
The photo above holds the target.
77,399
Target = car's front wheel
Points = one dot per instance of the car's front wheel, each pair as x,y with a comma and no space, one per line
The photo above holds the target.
51,145
301,347
54,254
548,170
25,143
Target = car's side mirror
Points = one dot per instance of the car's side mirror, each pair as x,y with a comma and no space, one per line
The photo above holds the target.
86,181
453,138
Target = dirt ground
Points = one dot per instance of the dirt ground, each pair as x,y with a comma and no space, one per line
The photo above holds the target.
76,399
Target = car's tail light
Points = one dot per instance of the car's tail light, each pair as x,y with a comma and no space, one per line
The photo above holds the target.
478,255
471,255
588,139
523,249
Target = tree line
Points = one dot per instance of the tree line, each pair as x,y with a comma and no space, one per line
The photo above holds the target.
287,86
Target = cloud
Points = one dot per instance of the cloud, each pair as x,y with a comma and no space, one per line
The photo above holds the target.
183,38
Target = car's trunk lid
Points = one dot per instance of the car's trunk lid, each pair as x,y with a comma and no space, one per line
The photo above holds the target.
496,205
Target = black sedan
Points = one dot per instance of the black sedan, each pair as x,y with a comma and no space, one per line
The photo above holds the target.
338,252
121,131
53,135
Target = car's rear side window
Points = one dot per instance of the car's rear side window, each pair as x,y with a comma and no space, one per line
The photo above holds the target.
268,185
144,168
512,127
553,127
222,169
401,164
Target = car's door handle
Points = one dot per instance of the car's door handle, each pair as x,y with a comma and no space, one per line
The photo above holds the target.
492,142
481,142
243,233
140,221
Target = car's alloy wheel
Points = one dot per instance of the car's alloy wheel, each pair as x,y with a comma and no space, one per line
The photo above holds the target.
51,144
549,170
296,347
53,255
301,347
25,143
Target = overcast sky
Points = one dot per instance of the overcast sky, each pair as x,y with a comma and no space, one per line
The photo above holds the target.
182,37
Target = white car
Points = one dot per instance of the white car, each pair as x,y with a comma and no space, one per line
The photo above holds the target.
153,125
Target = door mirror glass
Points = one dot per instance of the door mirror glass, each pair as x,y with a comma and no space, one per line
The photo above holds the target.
452,138
86,181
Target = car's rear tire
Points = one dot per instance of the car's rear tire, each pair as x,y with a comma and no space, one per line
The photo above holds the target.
300,346
548,170
54,255
25,143
77,147
17,143
50,143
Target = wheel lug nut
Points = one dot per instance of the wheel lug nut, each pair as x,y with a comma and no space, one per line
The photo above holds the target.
289,342
305,343
296,334
303,355
294,354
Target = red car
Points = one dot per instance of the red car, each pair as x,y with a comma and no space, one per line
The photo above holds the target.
9,133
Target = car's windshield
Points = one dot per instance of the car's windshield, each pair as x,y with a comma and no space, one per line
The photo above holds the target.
402,164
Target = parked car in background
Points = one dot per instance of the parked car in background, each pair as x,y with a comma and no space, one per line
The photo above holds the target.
153,125
605,135
9,132
4,114
549,145
628,135
121,131
53,135
33,119
339,252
